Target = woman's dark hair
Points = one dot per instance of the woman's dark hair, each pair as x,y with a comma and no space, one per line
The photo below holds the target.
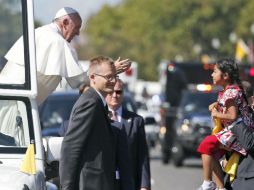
230,67
248,90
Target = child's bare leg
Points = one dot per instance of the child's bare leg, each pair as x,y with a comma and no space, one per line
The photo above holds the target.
218,174
207,167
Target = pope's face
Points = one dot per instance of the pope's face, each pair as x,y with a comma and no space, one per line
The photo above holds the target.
72,27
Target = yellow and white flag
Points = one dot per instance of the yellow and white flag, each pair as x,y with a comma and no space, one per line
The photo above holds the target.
28,163
241,50
231,167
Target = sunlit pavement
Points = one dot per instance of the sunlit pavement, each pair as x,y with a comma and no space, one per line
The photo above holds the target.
167,177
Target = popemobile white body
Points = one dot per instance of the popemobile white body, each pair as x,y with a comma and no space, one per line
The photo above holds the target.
13,179
19,118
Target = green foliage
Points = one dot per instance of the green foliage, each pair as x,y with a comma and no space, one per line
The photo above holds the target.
148,31
10,24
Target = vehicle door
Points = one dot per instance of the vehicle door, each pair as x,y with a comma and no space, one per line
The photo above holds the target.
19,121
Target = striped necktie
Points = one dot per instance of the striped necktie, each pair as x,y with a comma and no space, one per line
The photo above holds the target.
114,116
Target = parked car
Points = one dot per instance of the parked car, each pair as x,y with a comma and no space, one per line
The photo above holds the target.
193,122
152,128
152,131
57,108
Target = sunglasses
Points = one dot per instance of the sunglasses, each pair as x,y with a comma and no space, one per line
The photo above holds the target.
119,92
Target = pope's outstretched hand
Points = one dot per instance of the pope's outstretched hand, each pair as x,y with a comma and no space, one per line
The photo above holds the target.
122,65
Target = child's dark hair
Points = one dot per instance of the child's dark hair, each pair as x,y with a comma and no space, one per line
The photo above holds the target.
230,67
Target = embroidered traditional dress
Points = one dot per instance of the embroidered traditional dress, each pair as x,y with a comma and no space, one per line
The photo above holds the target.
210,145
226,137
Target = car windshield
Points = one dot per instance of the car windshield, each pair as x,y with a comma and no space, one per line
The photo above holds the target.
56,109
197,101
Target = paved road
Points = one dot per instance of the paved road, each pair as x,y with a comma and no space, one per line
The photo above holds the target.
168,177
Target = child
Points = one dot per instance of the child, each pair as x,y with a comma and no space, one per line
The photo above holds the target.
231,107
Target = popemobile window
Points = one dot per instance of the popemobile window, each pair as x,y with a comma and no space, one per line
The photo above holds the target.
14,125
13,37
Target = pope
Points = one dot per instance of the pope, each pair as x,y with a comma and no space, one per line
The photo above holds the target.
55,57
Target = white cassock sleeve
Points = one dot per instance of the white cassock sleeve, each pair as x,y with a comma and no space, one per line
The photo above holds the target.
55,56
16,53
60,59
76,81
13,71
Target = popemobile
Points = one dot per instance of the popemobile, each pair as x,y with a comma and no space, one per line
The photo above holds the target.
24,158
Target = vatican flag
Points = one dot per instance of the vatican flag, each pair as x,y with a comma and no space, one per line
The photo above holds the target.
28,163
241,50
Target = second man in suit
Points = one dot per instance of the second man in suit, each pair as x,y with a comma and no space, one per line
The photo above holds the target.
137,145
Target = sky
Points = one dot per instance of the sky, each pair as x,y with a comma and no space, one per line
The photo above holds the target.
44,10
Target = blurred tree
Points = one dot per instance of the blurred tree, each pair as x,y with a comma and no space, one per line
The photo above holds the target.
148,31
11,28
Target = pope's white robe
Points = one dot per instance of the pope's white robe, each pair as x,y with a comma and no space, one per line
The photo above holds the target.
55,59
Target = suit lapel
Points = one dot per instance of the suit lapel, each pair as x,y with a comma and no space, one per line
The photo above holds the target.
127,121
97,96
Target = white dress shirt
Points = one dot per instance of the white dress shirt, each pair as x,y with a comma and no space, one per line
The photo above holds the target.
119,113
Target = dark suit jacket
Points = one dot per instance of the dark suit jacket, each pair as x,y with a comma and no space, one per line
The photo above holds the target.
88,153
122,158
245,170
122,154
138,149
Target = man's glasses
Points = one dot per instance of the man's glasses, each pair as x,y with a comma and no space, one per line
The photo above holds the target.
108,77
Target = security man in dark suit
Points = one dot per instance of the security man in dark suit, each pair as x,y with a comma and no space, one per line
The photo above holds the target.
245,171
124,179
88,152
137,145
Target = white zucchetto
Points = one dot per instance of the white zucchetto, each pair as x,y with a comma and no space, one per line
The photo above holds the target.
65,11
